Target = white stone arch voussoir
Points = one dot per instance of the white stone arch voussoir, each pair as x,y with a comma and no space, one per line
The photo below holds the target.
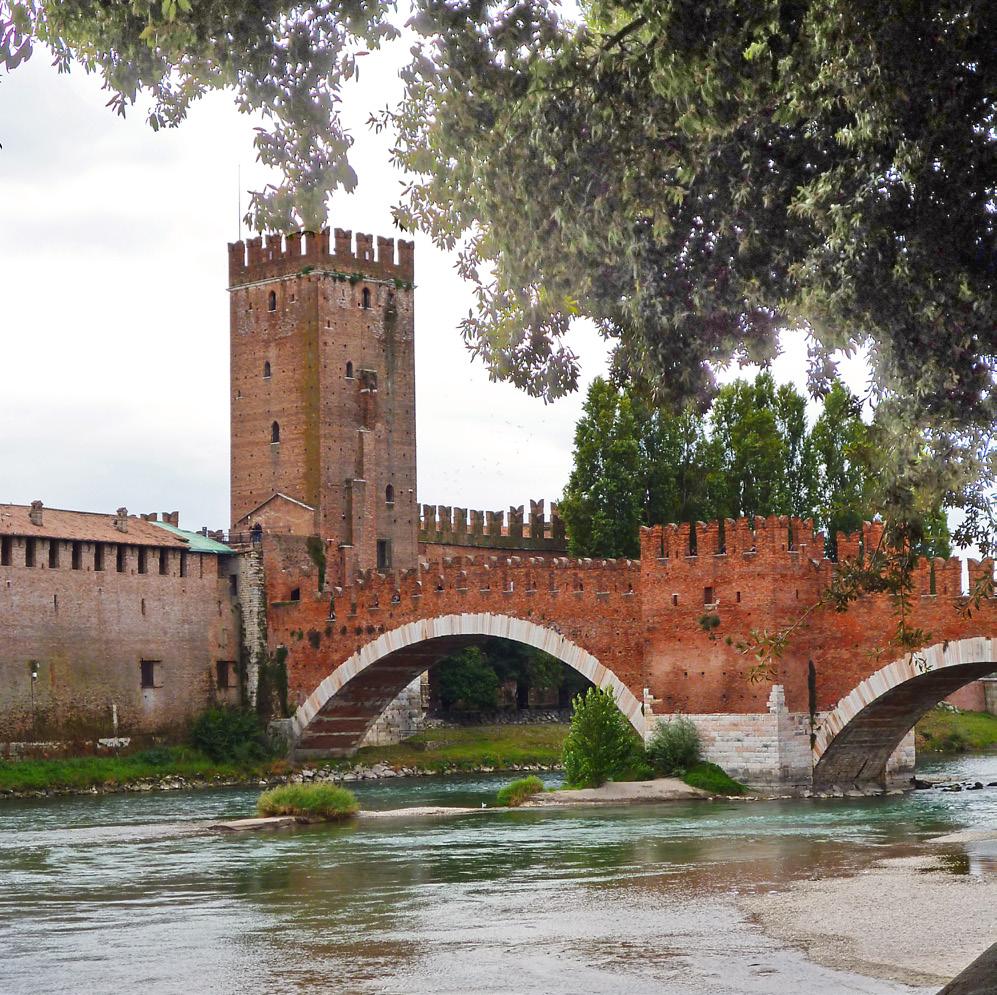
978,649
470,624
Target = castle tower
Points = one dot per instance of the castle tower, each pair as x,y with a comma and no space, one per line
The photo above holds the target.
323,393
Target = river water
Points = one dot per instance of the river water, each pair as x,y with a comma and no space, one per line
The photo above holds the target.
126,893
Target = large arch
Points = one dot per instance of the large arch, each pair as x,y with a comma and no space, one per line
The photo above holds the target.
335,716
856,738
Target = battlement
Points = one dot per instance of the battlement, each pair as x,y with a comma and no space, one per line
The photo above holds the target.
275,256
447,525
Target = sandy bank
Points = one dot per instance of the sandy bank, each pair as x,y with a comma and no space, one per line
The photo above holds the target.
662,789
907,919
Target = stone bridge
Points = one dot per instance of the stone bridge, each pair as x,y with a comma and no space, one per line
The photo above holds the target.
661,632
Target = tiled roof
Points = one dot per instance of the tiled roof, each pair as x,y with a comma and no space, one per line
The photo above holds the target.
198,543
87,526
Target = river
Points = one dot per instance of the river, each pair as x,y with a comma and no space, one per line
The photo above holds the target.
121,893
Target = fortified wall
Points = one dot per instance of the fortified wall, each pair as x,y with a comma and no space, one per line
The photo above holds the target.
450,531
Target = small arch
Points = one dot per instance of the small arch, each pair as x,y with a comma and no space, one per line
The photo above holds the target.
266,370
389,494
366,298
349,370
275,432
272,301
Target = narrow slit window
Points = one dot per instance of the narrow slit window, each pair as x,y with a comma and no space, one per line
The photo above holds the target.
29,552
389,494
349,371
6,551
272,301
266,370
98,556
164,562
366,298
143,560
77,555
121,559
183,563
275,433
383,554
53,553
675,600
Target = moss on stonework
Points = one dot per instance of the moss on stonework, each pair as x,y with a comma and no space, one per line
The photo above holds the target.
316,551
271,687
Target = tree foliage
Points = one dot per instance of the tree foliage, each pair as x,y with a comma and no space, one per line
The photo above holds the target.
601,744
467,682
753,453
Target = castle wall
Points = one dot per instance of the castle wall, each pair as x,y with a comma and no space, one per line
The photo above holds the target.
85,633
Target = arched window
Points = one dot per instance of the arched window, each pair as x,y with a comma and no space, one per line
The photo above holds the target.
349,371
275,432
272,301
389,494
366,297
266,370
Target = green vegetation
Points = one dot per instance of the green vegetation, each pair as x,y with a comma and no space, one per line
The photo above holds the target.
230,735
948,731
674,747
470,747
309,801
710,777
601,745
467,682
752,454
513,795
81,773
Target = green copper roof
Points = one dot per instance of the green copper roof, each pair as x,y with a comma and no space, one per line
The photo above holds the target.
198,542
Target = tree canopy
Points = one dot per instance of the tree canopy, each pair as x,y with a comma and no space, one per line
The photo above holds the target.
753,454
692,177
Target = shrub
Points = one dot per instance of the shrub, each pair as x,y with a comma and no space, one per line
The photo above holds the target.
468,681
674,746
710,777
601,744
513,795
310,801
230,735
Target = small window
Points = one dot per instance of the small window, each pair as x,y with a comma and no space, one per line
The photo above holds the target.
143,560
53,553
383,554
389,494
164,562
233,584
98,556
366,298
272,301
143,606
121,559
675,600
150,674
266,370
77,555
349,371
29,552
708,596
6,550
274,433
223,674
183,563
295,595
738,597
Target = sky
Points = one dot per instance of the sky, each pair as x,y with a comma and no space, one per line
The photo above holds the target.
114,321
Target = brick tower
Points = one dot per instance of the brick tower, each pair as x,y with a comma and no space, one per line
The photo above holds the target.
323,393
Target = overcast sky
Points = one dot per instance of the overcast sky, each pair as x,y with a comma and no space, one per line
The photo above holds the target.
115,313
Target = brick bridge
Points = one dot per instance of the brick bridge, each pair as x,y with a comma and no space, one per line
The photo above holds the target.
637,627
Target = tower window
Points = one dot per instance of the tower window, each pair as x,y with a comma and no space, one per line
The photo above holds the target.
275,432
223,674
29,552
98,556
349,371
6,548
272,301
53,553
77,555
121,559
164,562
266,370
366,297
143,562
150,673
383,554
389,494
708,596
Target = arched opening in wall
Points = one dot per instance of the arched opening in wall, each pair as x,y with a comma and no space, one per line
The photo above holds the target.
471,662
272,301
349,370
365,298
266,370
855,740
389,494
275,433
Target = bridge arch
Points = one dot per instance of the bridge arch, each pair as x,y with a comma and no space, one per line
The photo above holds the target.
335,716
856,738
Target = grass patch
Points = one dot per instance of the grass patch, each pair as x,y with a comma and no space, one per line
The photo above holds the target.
710,777
513,795
945,731
469,747
310,801
79,773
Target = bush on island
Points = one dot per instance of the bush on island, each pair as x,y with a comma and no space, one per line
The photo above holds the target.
513,795
710,777
674,747
309,801
230,735
601,743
